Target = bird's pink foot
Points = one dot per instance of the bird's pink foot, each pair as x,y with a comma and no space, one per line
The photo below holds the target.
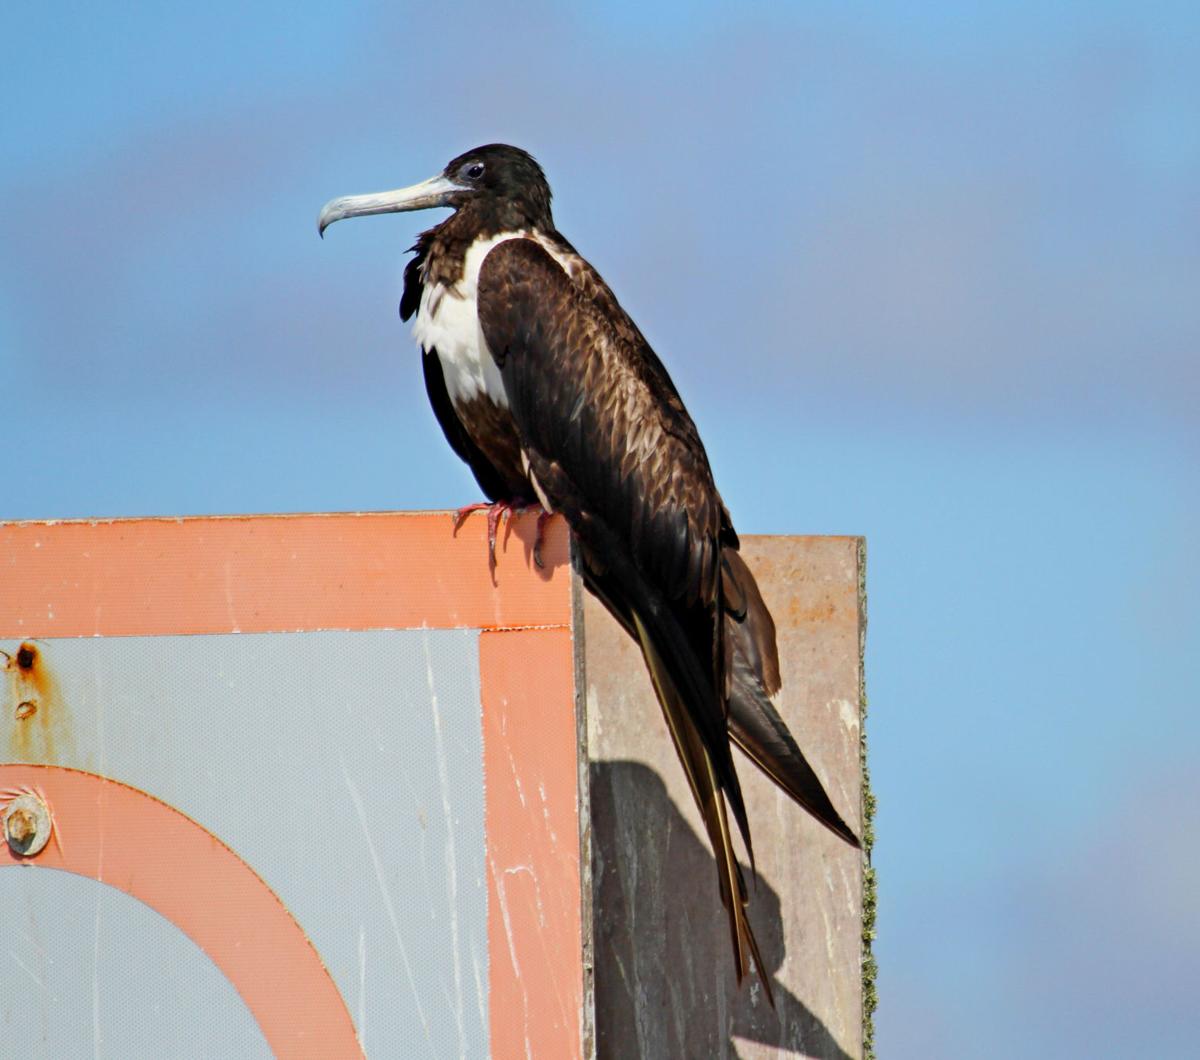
496,511
462,513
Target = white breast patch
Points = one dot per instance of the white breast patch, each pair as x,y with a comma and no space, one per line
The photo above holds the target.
448,321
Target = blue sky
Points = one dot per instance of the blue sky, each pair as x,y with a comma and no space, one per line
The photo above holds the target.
927,274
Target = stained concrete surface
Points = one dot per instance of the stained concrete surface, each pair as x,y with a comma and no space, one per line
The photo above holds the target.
664,978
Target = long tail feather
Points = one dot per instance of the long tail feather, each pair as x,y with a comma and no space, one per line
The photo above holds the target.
759,731
702,778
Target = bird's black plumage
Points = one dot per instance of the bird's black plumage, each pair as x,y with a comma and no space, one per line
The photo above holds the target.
545,387
456,434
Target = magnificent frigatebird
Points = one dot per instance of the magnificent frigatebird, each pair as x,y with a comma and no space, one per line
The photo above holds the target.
546,388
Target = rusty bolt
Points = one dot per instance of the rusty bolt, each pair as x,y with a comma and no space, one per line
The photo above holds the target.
27,825
26,656
26,709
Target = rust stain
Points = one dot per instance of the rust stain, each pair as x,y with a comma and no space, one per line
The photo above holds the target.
22,829
39,729
817,612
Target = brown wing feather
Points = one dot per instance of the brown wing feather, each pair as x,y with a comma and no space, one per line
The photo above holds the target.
600,402
610,445
604,348
585,399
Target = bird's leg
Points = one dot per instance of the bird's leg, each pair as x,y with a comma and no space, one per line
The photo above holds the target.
496,510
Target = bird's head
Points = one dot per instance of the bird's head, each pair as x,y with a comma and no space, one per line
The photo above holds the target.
503,185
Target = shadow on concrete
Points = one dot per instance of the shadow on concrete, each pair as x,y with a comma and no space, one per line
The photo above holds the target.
665,983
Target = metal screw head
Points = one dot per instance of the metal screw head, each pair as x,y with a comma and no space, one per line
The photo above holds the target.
27,825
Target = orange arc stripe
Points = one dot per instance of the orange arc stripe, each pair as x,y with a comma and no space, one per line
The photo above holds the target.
118,835
261,574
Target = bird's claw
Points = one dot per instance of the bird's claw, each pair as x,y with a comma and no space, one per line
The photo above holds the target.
496,511
499,511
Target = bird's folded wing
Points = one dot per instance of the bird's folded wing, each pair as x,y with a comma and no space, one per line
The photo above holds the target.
611,445
587,397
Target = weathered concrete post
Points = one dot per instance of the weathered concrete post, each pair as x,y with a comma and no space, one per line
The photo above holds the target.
663,974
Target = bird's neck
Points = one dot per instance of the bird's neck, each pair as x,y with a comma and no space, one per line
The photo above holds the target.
449,242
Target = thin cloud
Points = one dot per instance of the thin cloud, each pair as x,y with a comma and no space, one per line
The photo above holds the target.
847,219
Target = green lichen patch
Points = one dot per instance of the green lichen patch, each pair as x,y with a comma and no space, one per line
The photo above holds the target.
870,970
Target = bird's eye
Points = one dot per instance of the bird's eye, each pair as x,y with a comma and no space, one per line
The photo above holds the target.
473,170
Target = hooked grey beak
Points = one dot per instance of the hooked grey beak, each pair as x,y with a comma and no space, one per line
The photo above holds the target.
437,191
